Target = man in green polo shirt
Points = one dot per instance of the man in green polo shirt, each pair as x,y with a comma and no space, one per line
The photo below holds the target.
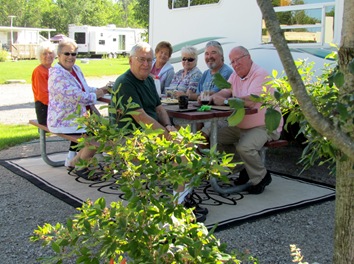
137,84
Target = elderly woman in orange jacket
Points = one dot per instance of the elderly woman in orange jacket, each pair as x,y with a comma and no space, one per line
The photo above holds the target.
46,55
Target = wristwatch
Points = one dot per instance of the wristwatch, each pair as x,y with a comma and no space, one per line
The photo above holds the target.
226,102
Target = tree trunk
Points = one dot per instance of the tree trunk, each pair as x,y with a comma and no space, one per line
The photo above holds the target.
341,136
344,219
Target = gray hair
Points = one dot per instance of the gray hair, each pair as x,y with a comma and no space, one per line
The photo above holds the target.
45,45
190,50
141,46
66,42
217,45
243,49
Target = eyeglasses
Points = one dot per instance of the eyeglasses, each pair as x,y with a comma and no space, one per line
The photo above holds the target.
188,59
143,60
238,59
69,53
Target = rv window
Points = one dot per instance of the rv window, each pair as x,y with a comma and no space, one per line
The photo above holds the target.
101,42
305,22
80,37
187,3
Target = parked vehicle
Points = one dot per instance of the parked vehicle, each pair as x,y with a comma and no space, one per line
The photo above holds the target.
233,23
22,42
108,40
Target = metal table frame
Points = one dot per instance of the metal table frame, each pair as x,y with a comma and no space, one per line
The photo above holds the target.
213,116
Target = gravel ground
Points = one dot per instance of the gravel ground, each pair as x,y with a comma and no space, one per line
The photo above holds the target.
24,206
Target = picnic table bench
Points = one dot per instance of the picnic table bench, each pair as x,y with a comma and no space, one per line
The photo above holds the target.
43,130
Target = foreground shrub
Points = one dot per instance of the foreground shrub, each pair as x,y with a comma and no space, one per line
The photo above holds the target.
148,227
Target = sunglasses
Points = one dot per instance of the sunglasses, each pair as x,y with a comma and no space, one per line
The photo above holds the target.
188,59
68,54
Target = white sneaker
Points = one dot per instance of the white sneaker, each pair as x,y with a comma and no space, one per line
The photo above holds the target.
67,162
69,158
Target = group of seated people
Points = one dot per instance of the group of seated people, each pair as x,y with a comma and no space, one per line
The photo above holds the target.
68,89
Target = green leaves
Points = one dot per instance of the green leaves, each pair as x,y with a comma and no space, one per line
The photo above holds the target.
204,108
239,113
272,119
339,79
220,81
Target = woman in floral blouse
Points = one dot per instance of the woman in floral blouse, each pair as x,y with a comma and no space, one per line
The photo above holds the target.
185,81
68,91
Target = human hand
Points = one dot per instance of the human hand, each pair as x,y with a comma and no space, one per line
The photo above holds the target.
170,128
190,92
177,94
199,100
109,84
217,99
100,92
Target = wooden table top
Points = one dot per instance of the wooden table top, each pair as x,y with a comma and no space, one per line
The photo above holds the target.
191,113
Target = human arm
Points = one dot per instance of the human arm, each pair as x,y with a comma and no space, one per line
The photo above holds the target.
220,97
99,92
66,85
167,79
194,79
164,118
252,85
144,118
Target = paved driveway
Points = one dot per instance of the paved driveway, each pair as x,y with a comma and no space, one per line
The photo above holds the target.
16,101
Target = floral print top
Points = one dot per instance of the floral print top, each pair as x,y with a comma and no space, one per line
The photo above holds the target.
190,81
65,96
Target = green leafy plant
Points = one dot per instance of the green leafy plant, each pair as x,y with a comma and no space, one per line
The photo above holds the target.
239,111
272,116
4,55
147,227
296,254
323,90
220,81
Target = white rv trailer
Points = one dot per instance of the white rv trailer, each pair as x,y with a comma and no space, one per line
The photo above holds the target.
239,22
108,40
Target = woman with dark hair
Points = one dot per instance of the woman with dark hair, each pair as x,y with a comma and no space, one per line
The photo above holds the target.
161,67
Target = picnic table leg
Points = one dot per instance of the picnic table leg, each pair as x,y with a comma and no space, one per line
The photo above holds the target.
43,147
194,127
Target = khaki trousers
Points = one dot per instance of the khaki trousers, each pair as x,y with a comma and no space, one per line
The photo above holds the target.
246,143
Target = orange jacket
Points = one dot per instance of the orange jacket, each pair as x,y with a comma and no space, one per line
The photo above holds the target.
40,84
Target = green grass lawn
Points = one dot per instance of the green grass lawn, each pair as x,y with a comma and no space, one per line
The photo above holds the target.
22,70
12,135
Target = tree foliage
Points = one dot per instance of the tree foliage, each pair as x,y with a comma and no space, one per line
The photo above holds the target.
60,13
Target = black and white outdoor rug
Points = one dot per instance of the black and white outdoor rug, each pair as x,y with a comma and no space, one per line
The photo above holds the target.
285,192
